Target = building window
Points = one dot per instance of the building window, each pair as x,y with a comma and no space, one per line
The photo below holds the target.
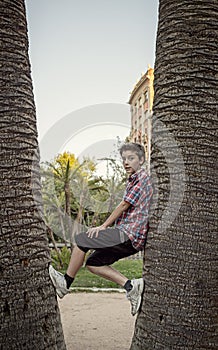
146,95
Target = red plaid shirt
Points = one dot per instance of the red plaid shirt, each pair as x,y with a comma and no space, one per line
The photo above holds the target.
134,220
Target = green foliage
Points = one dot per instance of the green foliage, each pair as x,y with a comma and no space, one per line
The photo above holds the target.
65,258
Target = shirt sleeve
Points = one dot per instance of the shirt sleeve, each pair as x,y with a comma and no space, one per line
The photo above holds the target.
133,193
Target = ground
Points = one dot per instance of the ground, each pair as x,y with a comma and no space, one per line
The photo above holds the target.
97,321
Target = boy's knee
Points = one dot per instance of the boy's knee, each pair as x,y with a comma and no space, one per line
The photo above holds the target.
83,249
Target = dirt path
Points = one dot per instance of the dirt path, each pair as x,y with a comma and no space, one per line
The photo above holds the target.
97,321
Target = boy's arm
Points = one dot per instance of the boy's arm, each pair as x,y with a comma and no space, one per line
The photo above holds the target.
110,220
116,213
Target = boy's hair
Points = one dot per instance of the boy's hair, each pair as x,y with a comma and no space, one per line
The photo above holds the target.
135,147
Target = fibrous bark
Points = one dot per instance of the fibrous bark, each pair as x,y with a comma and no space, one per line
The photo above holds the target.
29,314
180,301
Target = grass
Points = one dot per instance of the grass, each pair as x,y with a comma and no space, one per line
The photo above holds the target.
130,268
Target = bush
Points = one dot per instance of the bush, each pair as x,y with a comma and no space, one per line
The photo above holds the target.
60,261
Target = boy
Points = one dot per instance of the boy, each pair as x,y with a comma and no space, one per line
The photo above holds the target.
111,244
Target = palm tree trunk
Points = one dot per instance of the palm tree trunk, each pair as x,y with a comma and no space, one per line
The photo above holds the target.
180,308
68,211
63,232
29,314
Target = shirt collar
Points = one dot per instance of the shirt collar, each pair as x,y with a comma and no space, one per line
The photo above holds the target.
136,174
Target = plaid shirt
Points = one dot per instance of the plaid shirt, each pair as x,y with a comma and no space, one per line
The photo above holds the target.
134,220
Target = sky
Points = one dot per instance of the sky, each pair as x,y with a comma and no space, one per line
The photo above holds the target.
87,53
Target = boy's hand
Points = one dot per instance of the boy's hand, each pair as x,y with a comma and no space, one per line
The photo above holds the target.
94,231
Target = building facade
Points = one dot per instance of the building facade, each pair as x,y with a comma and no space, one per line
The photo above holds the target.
141,103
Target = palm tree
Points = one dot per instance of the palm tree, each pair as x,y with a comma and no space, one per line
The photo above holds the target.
180,304
29,314
65,178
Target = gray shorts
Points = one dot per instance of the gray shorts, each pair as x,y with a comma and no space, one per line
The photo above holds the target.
111,245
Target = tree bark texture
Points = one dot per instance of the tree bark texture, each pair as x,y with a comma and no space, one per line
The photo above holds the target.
29,314
180,301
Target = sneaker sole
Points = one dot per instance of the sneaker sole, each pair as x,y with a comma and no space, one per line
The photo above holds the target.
58,292
141,288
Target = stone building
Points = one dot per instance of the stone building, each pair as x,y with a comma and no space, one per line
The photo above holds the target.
141,103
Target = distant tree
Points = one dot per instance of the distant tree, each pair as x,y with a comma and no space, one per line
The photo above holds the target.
180,301
64,168
65,182
57,178
29,314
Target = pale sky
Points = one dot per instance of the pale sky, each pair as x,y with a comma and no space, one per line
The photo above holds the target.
86,53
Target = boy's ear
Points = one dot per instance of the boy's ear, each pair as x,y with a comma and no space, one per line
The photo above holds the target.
141,161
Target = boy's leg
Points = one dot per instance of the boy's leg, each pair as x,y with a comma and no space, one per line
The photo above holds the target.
108,237
98,263
62,282
106,256
76,261
109,273
84,243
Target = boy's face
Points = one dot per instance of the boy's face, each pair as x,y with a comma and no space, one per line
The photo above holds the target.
131,161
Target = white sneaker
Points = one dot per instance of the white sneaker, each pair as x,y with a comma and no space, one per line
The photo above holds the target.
135,295
58,281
